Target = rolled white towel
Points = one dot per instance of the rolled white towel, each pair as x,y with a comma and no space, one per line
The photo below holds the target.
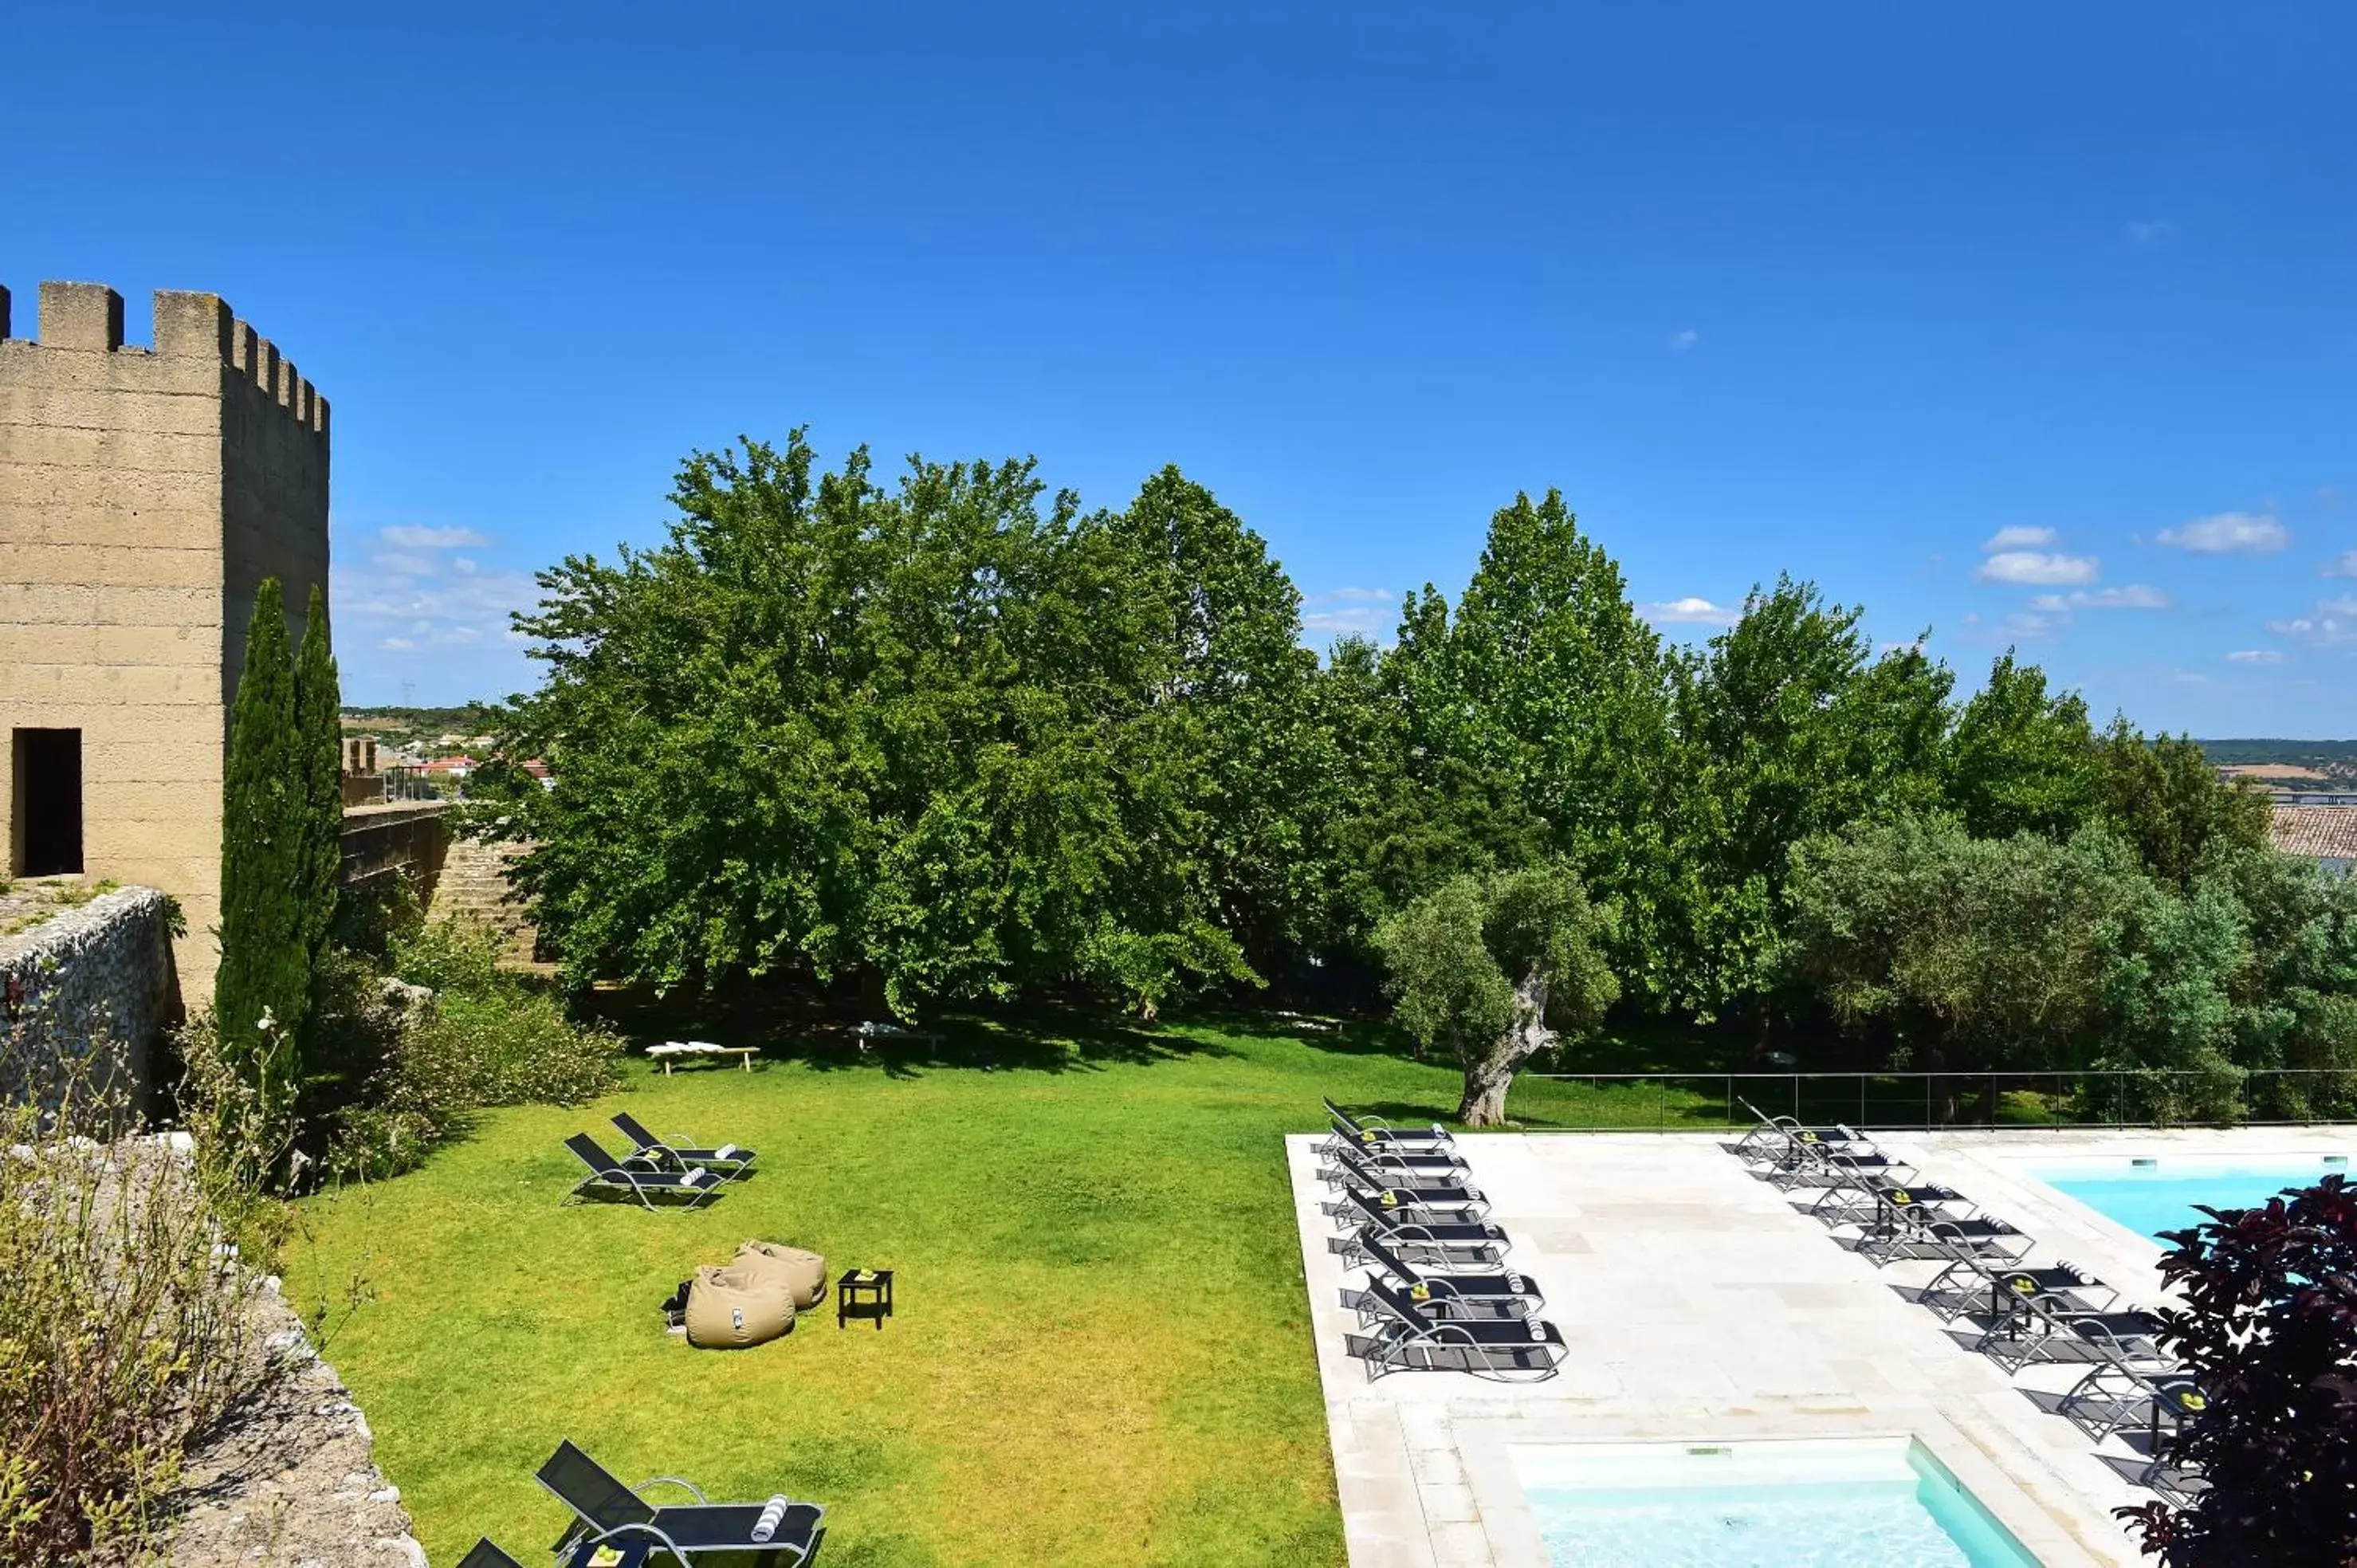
773,1513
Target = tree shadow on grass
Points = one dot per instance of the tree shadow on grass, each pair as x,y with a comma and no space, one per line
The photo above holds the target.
784,1024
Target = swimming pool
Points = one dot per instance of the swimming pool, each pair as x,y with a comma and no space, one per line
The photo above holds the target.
1872,1502
2150,1196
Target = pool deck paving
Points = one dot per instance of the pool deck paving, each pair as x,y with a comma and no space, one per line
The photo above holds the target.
1699,1303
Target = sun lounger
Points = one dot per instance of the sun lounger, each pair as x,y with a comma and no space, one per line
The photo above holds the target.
1972,1283
1453,1205
609,1177
1447,1246
1504,1350
2132,1382
1866,1196
1944,1238
1393,1164
1442,1295
679,1151
2042,1325
487,1555
698,1535
1373,1131
1837,1165
1780,1133
1444,1187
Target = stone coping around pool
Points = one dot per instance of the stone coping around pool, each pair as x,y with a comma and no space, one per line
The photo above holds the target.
1697,1306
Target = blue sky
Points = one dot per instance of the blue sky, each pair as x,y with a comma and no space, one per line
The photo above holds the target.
2032,323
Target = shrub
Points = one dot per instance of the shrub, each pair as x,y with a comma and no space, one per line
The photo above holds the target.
125,1268
488,1038
2270,1331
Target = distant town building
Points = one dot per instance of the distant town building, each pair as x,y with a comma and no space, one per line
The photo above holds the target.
2326,835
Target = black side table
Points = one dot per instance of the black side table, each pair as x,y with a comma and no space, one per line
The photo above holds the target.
864,1292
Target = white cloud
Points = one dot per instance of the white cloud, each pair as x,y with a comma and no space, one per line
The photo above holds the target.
2229,534
1691,610
411,536
2344,565
399,566
2132,596
1364,620
2029,627
2332,621
2255,656
1684,339
2149,231
2019,536
462,563
398,644
2036,568
1350,596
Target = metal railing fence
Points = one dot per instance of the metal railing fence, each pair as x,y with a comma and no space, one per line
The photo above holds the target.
1673,1103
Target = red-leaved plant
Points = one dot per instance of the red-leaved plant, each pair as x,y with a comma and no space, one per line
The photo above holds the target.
2270,1330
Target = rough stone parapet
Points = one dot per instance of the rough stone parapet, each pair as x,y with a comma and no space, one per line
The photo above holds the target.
292,1482
87,977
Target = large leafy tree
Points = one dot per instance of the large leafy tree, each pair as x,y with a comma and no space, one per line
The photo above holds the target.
1547,678
1972,954
1499,966
2022,758
831,729
262,989
2269,1334
1226,719
1786,727
2163,795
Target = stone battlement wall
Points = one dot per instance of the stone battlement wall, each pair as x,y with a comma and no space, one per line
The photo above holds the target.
99,973
144,493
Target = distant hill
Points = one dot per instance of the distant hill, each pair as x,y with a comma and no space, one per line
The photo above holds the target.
395,724
2335,759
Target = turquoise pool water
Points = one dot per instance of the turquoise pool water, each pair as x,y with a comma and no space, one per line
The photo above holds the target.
2160,1196
1878,1503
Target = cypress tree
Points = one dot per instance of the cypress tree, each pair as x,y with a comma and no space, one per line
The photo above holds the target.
319,741
264,821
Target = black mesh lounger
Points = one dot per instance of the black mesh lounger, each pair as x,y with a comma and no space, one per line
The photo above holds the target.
1400,1164
1348,1166
1442,1295
2039,1323
1389,1209
1944,1238
1876,1200
485,1555
698,1535
1503,1350
1374,1131
2132,1380
609,1177
1781,1133
1836,1165
1447,1246
1452,1205
678,1152
1974,1284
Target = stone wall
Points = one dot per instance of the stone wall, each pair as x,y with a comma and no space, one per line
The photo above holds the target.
101,972
474,885
144,493
407,840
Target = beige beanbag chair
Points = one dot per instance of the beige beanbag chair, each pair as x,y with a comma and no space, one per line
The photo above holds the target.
802,1273
731,1308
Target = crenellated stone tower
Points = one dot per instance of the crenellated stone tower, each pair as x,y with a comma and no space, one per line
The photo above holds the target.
144,494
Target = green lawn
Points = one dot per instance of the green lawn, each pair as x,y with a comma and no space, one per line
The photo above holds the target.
1100,1354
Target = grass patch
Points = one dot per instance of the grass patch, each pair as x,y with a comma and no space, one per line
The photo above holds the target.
1101,1354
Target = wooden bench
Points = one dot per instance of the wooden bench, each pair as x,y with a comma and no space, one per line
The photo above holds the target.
669,1051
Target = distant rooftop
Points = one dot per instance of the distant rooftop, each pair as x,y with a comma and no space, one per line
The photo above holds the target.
2319,833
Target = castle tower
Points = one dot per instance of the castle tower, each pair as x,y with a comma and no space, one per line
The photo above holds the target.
144,494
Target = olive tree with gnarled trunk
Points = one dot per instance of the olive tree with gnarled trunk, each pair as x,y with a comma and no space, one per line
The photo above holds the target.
1497,965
